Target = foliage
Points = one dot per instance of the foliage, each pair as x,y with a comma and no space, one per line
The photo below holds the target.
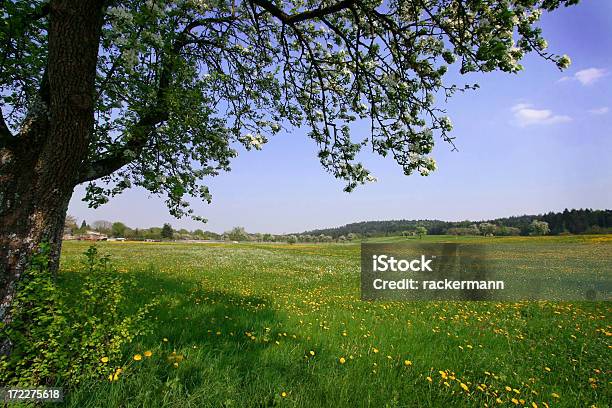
420,231
539,227
59,336
487,228
167,232
292,239
574,221
118,229
103,226
237,234
180,85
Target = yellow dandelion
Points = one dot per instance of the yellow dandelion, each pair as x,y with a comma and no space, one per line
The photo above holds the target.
165,340
514,401
342,360
407,363
429,379
375,350
312,353
443,374
534,405
508,388
499,400
148,353
104,359
465,387
547,369
137,357
175,365
555,395
284,394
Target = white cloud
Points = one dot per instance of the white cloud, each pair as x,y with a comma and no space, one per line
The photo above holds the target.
526,115
590,75
599,111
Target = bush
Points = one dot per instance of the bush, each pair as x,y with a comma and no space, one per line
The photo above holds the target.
60,336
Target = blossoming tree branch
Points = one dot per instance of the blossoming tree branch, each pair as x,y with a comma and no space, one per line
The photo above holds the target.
159,94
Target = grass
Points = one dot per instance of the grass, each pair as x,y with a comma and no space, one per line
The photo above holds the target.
268,324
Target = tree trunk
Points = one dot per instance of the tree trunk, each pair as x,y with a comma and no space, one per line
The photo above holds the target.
39,168
31,212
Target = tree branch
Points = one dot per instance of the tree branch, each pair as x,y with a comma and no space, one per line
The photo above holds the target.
305,15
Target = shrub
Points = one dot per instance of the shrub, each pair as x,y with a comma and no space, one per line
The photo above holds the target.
60,336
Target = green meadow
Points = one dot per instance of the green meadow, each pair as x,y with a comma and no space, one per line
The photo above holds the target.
258,325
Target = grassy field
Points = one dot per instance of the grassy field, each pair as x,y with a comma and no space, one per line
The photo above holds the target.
273,324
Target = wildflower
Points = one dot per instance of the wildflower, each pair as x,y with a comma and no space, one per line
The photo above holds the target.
283,394
375,350
137,357
407,363
342,360
499,400
555,395
104,359
508,388
115,375
312,353
429,379
175,365
547,369
443,374
514,401
465,387
165,340
148,353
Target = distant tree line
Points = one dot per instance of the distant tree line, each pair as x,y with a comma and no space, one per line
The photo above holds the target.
583,221
567,222
120,230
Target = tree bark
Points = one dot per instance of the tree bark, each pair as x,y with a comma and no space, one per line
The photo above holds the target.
39,168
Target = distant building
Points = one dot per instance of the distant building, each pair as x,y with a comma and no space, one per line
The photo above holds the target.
92,236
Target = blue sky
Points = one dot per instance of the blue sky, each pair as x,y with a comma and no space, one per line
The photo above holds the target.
529,143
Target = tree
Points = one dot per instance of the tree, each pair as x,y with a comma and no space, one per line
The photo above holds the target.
420,231
71,224
292,239
84,225
118,229
167,232
237,234
487,229
103,226
539,227
158,93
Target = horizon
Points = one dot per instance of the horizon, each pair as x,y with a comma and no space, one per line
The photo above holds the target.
529,143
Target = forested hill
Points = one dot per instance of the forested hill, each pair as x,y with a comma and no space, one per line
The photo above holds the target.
568,221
